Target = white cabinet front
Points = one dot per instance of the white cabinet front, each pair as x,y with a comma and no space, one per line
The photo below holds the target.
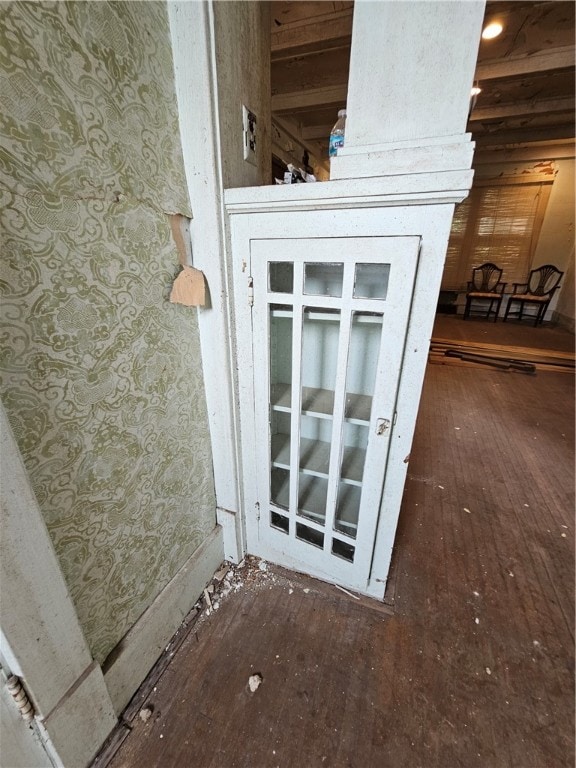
329,323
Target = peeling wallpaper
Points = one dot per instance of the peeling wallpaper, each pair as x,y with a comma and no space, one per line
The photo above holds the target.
100,375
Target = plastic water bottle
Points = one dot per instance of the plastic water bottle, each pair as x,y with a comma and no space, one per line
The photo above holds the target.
337,134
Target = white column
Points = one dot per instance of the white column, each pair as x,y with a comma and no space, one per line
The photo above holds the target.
411,70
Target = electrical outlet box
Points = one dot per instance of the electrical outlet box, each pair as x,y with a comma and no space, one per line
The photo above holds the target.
249,135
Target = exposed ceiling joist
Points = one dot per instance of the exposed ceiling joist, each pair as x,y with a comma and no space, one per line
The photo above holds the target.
548,151
520,108
542,61
321,32
317,131
526,74
314,97
288,130
524,135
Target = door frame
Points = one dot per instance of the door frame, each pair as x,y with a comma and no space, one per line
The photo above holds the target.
41,638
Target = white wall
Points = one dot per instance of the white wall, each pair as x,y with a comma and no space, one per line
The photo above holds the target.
242,37
556,242
566,298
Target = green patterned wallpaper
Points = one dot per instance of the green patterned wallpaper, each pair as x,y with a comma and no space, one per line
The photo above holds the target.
100,375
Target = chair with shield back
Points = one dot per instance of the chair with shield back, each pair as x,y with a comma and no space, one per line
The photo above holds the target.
537,292
485,289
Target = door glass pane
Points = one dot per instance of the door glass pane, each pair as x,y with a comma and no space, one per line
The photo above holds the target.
312,494
281,276
342,549
279,426
280,439
280,356
363,353
311,535
347,509
323,279
355,442
279,521
320,333
315,443
280,487
371,281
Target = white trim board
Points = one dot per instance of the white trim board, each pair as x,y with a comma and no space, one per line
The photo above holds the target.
42,641
414,189
139,649
192,37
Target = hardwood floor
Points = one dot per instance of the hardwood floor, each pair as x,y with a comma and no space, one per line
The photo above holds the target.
474,669
511,333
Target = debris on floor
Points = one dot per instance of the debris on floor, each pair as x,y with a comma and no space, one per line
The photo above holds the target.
250,574
146,713
254,682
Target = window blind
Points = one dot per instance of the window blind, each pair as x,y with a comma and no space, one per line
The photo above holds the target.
498,223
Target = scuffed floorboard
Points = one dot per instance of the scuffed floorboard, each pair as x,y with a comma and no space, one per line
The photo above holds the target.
474,669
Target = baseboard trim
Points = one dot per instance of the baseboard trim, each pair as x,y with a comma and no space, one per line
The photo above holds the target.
78,725
134,656
230,523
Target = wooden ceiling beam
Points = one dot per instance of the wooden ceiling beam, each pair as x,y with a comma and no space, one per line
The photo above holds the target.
521,108
548,151
312,98
290,131
542,61
312,35
523,135
317,131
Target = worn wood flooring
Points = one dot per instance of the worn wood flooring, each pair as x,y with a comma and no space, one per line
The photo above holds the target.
474,669
509,334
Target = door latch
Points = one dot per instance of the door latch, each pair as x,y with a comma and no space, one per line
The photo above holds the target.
382,425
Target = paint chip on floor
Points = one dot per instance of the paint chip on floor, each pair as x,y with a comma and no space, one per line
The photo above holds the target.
254,682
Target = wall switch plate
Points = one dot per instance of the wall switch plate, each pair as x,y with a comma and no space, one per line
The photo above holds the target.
249,135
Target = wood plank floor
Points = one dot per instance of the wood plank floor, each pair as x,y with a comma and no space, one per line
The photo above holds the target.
474,669
511,333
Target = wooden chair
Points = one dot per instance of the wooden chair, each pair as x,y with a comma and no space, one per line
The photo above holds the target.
538,291
485,287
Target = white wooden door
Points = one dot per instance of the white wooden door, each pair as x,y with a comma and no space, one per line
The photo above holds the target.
329,318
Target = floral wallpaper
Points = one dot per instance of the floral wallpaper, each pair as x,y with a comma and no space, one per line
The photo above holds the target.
100,375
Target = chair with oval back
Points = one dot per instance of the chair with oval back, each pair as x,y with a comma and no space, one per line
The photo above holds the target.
538,291
485,288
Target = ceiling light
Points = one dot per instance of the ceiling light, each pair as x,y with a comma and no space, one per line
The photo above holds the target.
492,30
475,91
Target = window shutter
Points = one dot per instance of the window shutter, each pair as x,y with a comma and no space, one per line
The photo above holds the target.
498,223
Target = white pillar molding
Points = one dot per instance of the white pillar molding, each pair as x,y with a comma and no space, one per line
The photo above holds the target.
192,33
41,638
411,70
